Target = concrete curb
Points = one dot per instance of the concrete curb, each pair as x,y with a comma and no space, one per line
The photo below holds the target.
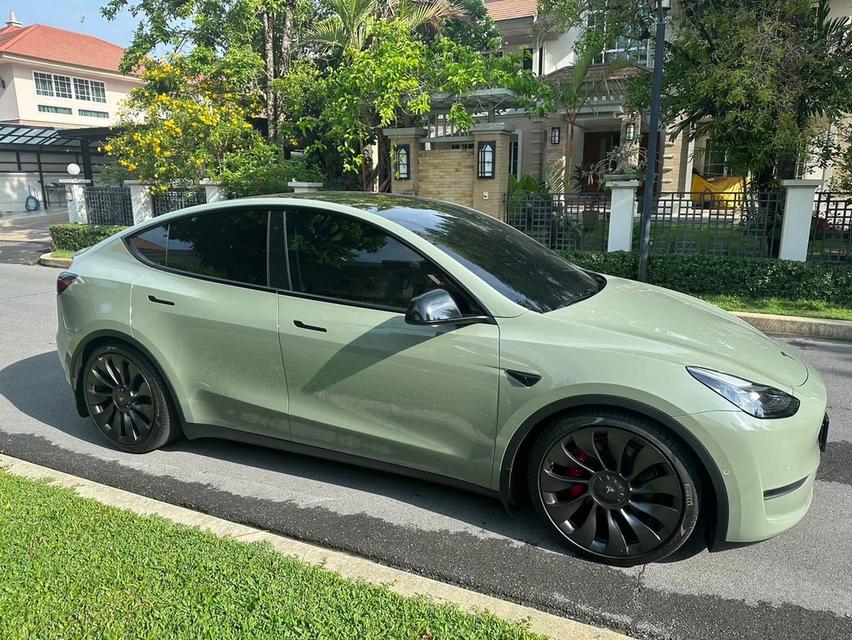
60,263
348,566
794,325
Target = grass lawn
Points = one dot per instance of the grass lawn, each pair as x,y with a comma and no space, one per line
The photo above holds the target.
62,253
781,307
74,568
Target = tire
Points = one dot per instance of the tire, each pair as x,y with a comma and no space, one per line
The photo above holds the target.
127,399
617,487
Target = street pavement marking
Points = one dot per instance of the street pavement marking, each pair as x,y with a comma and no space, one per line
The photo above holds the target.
344,564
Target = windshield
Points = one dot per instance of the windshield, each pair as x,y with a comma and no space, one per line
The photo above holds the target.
513,263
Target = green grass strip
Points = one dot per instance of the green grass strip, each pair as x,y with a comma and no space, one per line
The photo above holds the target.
781,307
73,568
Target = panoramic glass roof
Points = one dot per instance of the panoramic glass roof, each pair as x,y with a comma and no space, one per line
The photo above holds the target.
43,136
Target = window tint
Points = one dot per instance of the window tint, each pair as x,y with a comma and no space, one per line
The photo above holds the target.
152,244
338,256
230,245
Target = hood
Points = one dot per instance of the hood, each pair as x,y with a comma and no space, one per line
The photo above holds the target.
686,330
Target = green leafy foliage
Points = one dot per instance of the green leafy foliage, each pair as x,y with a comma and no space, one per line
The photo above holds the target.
74,568
261,169
474,30
725,275
73,237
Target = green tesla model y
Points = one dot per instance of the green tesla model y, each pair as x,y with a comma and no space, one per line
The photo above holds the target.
431,340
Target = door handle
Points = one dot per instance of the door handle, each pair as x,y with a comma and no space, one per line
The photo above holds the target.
160,301
309,327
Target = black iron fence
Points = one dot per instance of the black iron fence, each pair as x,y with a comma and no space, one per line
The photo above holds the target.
177,198
108,205
831,228
561,221
728,224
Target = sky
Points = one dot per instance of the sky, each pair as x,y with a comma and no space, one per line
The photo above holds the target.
77,15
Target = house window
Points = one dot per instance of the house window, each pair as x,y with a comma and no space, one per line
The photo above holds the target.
45,108
403,162
62,86
43,83
514,157
555,135
82,89
715,161
92,114
98,91
638,51
528,58
485,160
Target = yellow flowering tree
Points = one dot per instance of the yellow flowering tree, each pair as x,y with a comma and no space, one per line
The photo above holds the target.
183,122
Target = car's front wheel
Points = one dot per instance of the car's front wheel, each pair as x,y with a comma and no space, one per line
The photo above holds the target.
128,399
617,487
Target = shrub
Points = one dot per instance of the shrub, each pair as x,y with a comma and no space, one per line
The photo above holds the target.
724,275
260,170
73,237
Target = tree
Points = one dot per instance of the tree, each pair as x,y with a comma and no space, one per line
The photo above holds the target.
475,29
758,77
269,28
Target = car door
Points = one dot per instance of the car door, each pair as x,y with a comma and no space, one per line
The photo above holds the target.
207,314
360,379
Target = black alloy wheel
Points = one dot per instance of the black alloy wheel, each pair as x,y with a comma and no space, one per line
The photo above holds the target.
615,487
127,400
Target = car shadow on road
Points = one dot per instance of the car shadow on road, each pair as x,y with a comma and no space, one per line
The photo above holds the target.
36,387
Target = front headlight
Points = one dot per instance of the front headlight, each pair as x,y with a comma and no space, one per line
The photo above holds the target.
758,400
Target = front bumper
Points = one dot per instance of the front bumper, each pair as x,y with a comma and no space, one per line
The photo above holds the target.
768,466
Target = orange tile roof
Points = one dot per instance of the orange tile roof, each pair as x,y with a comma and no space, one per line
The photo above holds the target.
59,45
509,9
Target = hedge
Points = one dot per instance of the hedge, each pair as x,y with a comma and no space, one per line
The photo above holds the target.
725,275
73,237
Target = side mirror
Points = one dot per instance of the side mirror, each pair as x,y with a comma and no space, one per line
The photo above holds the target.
432,307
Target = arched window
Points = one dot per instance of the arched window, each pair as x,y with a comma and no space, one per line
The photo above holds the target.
485,163
403,162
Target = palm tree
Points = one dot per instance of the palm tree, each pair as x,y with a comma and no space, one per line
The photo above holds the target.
350,20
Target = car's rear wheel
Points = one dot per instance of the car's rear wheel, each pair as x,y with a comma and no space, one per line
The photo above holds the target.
128,399
617,487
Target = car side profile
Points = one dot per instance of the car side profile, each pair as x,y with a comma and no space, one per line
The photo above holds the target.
431,340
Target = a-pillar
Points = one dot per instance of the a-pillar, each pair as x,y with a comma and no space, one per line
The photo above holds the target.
798,212
489,193
406,146
75,194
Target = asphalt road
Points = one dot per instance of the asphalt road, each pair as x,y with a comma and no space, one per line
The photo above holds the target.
798,585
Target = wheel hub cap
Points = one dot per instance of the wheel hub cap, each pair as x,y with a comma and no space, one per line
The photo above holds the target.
120,398
609,489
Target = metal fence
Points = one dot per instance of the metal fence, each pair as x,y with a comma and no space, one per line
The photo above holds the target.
108,205
831,228
720,224
177,198
561,221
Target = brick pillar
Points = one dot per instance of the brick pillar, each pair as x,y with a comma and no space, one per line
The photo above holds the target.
622,208
489,193
798,212
409,138
141,201
75,194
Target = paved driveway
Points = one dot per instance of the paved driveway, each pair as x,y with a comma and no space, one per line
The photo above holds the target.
24,238
796,586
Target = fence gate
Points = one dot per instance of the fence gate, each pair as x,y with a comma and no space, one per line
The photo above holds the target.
109,205
561,221
175,199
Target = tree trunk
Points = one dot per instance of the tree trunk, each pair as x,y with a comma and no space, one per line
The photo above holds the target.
269,55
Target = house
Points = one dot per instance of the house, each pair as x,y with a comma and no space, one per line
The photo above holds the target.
52,83
553,147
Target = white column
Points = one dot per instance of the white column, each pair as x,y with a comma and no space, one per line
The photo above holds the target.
75,194
140,200
622,208
304,187
213,191
798,212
